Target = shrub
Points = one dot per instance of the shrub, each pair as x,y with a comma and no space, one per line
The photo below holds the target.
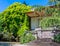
50,21
27,37
57,38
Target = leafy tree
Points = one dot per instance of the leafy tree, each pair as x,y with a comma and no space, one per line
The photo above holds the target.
25,3
15,18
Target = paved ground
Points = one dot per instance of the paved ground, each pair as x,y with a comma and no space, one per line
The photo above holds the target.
45,42
41,42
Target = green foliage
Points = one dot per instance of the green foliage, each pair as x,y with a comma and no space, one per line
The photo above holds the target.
49,11
14,23
15,18
57,38
27,37
50,21
22,30
1,22
25,3
38,8
53,18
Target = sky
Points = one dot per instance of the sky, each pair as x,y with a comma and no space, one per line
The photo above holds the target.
5,3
